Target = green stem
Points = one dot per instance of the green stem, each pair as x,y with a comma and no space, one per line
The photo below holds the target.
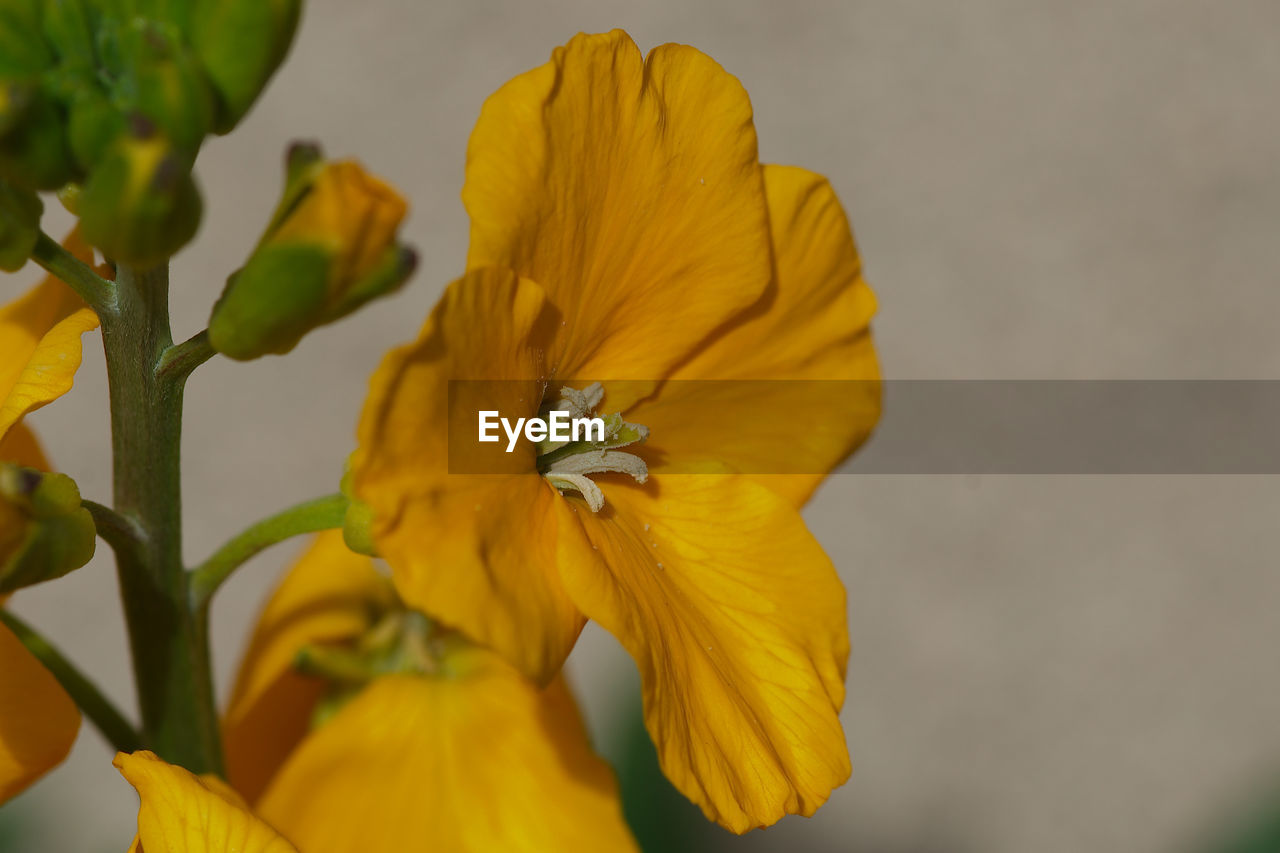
320,514
93,289
169,638
118,731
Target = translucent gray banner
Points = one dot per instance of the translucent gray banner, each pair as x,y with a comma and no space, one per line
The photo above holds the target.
1075,427
925,426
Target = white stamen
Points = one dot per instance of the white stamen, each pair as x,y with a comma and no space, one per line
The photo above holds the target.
602,462
572,471
580,484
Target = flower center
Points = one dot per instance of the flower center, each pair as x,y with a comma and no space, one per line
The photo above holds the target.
400,641
568,465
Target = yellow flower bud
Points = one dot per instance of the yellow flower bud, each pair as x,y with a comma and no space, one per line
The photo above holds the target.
330,248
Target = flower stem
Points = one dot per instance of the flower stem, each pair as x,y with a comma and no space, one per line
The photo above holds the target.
93,289
118,731
168,637
310,517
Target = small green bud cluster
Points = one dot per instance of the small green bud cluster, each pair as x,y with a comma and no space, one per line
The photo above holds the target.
119,95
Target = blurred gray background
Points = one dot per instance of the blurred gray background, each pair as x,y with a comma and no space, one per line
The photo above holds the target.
1068,189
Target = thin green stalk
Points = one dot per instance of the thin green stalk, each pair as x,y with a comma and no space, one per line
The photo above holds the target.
118,531
169,638
93,288
179,360
118,731
320,514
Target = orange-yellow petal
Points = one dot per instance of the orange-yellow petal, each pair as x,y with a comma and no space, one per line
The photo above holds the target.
38,720
470,762
40,344
792,389
329,596
736,620
476,551
630,190
19,445
184,813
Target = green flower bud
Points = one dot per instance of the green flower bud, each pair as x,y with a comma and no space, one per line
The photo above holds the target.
68,26
162,80
93,126
44,531
241,44
34,151
23,50
140,203
330,248
20,212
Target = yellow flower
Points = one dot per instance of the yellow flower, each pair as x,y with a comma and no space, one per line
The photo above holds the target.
330,248
623,229
469,757
39,354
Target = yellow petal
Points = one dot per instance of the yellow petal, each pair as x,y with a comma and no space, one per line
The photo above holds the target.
792,389
40,344
19,446
476,551
479,760
329,596
183,813
736,620
38,720
628,189
351,211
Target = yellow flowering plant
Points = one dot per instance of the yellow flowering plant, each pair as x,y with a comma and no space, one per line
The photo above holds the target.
632,265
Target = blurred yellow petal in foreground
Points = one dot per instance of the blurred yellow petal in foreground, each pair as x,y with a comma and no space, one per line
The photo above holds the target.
38,720
40,343
183,813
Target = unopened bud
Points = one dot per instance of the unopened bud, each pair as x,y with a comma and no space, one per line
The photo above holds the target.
45,533
330,248
241,43
34,150
140,203
20,212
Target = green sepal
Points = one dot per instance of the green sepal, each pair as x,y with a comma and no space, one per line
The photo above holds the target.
241,43
60,536
301,164
20,212
393,270
270,304
140,204
357,527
